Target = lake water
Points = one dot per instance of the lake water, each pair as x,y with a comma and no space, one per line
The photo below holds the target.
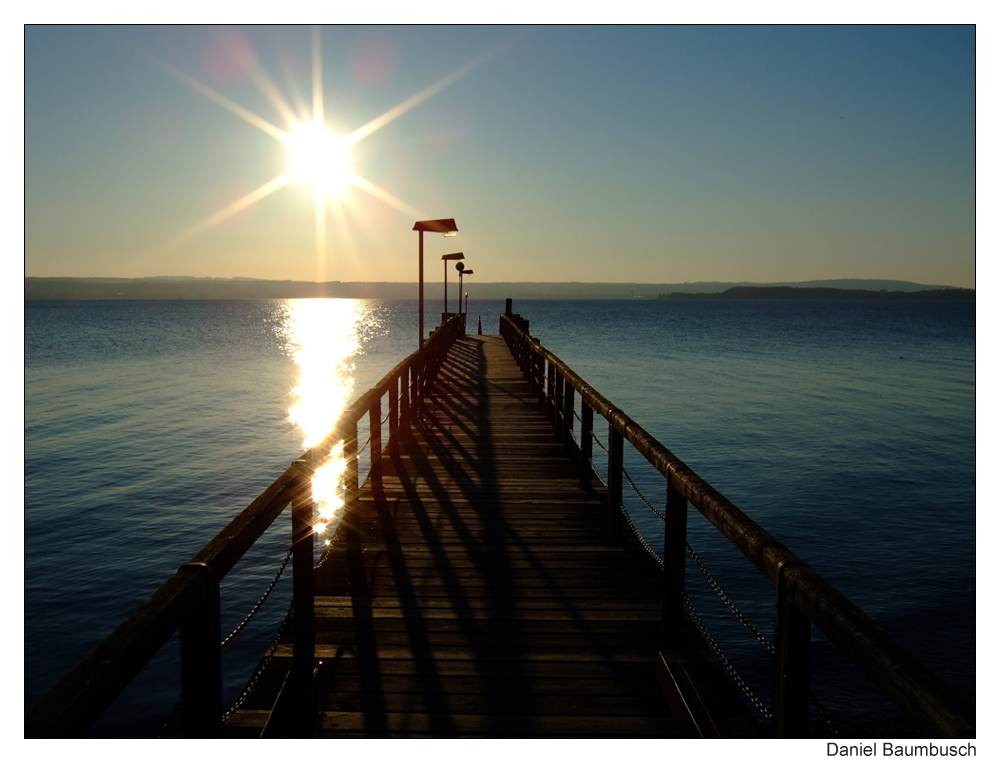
845,429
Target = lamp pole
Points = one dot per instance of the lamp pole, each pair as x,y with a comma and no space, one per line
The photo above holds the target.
462,272
420,306
448,228
446,258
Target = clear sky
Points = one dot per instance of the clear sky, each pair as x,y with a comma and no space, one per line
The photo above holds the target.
651,154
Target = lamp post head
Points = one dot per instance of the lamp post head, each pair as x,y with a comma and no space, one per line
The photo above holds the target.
454,256
445,225
460,266
467,273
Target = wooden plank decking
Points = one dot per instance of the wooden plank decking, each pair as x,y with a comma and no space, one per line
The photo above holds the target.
477,594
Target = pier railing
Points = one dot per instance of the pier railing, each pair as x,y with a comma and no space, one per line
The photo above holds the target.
189,600
803,598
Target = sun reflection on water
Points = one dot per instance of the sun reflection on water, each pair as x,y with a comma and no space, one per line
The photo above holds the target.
322,336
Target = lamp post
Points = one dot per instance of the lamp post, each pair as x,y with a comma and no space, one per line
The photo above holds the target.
466,311
448,228
460,267
448,258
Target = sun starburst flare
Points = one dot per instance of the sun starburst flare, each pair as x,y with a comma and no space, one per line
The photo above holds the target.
316,155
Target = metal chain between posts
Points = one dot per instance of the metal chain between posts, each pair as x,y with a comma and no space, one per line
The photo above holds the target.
642,540
329,546
725,661
645,500
599,443
715,587
727,601
268,655
260,601
597,473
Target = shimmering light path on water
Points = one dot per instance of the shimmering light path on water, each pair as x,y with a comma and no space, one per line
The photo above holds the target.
846,429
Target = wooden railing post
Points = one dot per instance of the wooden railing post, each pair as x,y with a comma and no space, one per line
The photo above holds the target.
616,454
201,660
404,394
538,373
567,416
792,636
393,409
674,557
375,426
351,490
550,393
303,584
586,444
415,386
557,408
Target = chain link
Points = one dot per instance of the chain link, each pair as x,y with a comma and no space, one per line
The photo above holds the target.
599,443
268,655
260,602
734,674
727,601
597,473
642,540
645,500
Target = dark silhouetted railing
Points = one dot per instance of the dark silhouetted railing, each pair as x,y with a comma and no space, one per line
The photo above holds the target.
803,598
189,601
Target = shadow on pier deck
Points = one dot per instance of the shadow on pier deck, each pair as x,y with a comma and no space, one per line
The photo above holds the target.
476,592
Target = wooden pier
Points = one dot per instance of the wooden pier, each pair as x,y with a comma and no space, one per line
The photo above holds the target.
483,583
477,593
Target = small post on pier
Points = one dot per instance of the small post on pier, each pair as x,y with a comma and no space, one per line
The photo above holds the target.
404,395
557,421
586,443
201,659
393,409
551,393
567,415
303,585
792,635
351,489
674,556
616,455
375,430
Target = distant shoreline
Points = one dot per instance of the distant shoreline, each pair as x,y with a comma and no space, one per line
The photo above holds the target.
36,288
794,292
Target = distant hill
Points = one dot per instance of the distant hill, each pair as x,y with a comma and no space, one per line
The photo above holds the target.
184,287
797,292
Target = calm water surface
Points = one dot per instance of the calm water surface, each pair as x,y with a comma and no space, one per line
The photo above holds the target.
846,429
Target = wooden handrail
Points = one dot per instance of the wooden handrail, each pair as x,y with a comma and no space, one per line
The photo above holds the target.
70,708
930,702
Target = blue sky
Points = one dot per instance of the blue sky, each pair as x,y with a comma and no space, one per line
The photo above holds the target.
645,154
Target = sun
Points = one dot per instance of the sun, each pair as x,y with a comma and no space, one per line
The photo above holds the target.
320,158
